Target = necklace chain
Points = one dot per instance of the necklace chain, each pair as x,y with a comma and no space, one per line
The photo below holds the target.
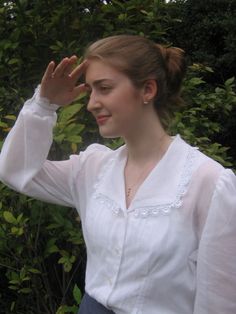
128,192
143,174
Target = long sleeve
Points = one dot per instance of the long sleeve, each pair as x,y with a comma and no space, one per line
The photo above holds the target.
23,164
216,264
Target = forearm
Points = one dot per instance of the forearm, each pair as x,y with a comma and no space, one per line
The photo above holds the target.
27,144
23,159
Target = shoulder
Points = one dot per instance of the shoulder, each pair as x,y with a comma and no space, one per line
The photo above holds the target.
93,158
226,185
205,173
96,151
209,177
204,168
211,172
210,185
207,169
93,150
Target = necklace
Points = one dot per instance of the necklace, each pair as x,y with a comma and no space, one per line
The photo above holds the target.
141,177
132,189
128,192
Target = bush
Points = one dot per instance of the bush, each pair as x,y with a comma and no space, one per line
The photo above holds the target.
42,255
200,120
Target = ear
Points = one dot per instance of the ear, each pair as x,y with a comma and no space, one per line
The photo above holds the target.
149,90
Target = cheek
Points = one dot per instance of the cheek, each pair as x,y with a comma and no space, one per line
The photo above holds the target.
127,101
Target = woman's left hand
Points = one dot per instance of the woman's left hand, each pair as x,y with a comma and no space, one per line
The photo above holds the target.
59,83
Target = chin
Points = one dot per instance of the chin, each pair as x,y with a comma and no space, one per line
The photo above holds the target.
109,134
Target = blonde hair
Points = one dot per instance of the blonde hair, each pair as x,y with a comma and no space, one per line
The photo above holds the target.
141,59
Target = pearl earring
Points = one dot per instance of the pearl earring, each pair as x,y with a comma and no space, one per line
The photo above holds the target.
145,102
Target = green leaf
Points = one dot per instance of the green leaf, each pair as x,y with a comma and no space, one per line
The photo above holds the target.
51,247
72,259
59,138
25,290
10,117
14,282
62,260
13,287
18,219
34,271
196,81
8,216
13,61
13,306
67,309
229,81
17,231
77,294
3,125
74,139
67,267
68,112
27,278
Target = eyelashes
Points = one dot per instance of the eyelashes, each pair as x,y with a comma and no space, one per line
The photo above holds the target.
103,89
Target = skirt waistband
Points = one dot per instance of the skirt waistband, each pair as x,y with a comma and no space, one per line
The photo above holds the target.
90,306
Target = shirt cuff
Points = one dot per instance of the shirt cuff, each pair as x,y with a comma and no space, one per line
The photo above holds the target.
43,101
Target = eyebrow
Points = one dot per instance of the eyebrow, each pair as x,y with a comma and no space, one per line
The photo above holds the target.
97,82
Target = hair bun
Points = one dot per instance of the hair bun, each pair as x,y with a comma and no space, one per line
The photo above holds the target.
176,66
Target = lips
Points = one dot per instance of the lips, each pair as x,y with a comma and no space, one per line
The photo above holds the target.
102,119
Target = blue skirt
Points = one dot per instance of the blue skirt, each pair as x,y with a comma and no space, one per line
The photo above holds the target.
91,306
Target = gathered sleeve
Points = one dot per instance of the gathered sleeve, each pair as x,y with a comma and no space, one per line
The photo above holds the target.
216,264
23,160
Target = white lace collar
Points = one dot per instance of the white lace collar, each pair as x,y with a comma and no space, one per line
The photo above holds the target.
162,190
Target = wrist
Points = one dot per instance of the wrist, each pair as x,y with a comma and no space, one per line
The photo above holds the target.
44,101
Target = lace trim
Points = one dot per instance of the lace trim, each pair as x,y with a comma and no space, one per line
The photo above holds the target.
165,209
103,199
108,203
146,211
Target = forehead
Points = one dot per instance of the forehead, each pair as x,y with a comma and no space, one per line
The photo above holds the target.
100,70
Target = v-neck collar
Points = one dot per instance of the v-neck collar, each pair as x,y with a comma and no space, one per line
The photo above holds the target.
162,186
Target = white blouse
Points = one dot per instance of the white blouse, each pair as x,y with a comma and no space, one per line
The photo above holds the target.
173,251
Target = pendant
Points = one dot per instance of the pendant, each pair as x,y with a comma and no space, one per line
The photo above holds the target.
128,192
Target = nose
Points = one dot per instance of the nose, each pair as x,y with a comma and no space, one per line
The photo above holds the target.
93,103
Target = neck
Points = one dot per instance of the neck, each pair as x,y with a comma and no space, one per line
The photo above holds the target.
145,150
149,144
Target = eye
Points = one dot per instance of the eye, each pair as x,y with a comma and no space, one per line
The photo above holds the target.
105,88
88,89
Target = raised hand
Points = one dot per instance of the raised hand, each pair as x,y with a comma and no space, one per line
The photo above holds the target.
59,83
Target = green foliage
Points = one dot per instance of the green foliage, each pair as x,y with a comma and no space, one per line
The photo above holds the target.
67,133
41,247
71,309
207,31
42,253
200,120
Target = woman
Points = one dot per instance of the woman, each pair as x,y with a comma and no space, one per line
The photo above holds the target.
158,216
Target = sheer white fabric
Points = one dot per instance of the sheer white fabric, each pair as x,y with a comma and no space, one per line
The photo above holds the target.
173,251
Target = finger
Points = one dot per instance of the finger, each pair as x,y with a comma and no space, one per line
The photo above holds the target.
78,90
79,70
58,72
49,71
70,66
